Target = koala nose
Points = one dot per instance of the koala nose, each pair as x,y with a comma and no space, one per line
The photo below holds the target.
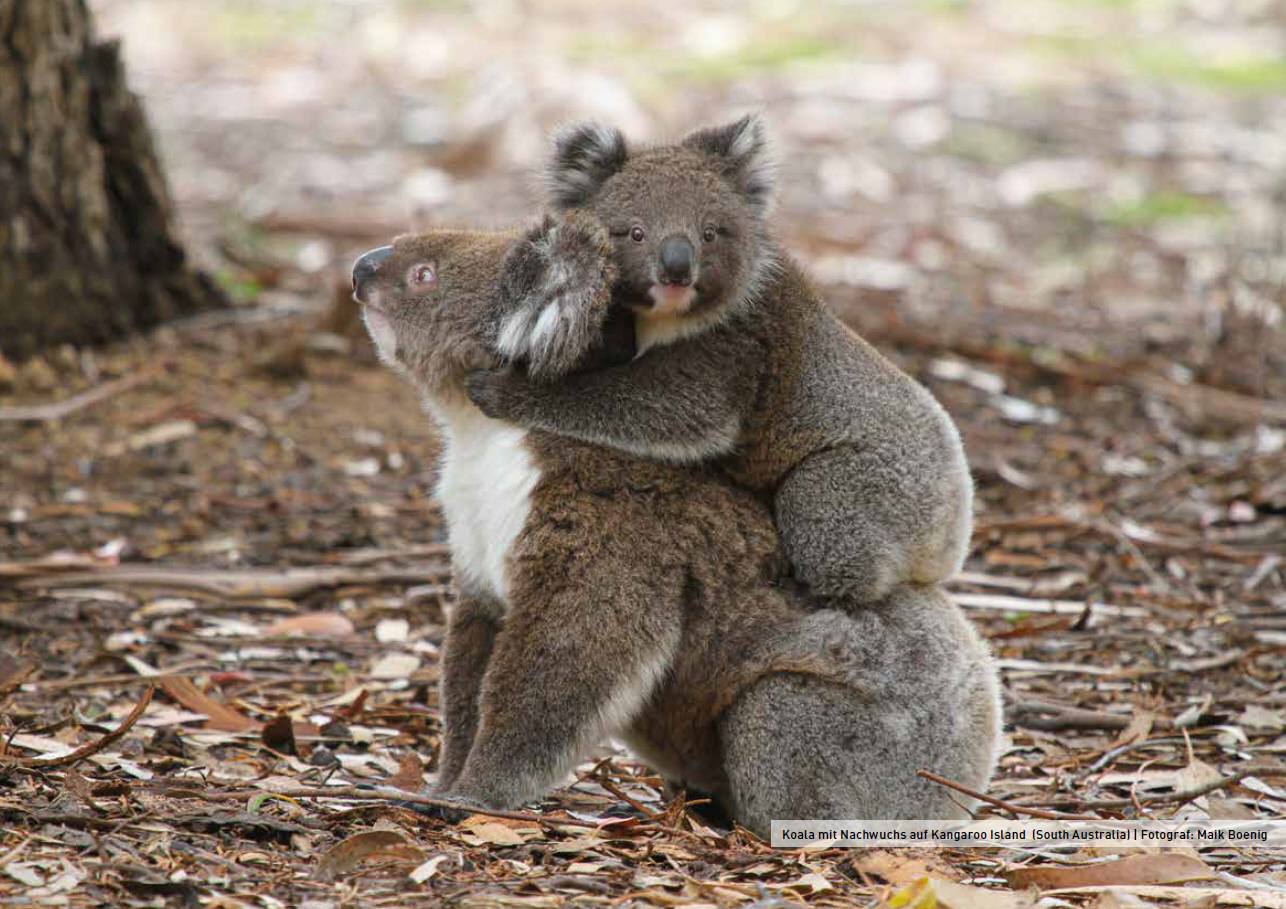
678,259
364,270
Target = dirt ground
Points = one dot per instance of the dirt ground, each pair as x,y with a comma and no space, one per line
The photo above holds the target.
1066,218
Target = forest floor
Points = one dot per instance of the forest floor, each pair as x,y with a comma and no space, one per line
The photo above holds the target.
1068,219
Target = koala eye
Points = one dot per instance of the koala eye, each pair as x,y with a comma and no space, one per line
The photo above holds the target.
423,275
709,234
637,234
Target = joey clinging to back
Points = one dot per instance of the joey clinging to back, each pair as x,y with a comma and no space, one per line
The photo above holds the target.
687,222
739,360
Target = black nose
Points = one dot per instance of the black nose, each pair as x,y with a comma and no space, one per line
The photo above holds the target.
365,268
678,258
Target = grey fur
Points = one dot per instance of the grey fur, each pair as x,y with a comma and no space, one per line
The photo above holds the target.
644,600
866,470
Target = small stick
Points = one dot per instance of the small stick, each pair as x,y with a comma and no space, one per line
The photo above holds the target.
352,792
95,746
1001,803
48,413
1183,795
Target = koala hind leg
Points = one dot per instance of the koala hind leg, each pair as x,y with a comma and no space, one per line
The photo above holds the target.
854,524
799,747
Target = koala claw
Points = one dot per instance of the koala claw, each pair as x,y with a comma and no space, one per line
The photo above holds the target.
437,812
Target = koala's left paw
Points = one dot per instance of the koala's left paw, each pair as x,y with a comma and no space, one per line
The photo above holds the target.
493,391
554,294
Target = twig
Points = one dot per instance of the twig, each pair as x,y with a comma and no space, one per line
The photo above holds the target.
1005,603
1065,716
1001,803
356,794
1183,795
288,584
48,413
95,746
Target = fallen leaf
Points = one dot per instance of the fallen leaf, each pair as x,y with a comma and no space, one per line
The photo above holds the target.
1153,868
279,734
427,869
809,883
1256,717
329,624
395,666
347,854
219,715
483,830
1140,728
933,893
902,867
163,434
410,774
392,631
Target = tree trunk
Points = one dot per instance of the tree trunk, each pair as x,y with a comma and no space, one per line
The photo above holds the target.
88,248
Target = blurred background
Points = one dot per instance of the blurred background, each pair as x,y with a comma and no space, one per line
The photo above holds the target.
1066,217
1110,170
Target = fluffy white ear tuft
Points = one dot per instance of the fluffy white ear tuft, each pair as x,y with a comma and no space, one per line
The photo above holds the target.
743,148
585,155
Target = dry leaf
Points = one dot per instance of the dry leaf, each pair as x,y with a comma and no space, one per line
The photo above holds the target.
395,666
330,624
219,715
809,883
1189,897
1226,809
410,774
487,830
392,631
1140,728
426,870
933,893
1153,868
346,855
903,867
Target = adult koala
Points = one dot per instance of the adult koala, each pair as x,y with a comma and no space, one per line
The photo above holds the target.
603,594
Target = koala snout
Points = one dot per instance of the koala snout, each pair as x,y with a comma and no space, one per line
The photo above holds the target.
365,268
678,260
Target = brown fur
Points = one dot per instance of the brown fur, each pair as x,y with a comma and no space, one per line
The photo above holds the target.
866,471
642,599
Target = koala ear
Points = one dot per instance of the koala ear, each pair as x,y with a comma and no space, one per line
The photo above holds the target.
585,155
743,146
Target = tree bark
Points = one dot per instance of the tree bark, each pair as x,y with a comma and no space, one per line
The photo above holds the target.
88,246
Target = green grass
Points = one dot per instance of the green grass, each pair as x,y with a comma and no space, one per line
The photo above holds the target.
238,288
757,56
987,144
1164,206
1249,75
246,26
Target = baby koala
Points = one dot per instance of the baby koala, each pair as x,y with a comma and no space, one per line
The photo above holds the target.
740,362
602,594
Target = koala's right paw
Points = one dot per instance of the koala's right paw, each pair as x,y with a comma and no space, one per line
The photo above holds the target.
555,290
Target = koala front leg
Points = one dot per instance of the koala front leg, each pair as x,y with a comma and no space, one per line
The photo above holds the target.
564,674
683,403
471,636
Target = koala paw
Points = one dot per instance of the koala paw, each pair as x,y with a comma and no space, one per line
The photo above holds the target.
492,391
555,291
439,812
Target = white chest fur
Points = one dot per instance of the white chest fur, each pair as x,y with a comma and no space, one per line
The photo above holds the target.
485,488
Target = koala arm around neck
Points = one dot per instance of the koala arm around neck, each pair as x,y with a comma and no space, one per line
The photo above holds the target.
683,404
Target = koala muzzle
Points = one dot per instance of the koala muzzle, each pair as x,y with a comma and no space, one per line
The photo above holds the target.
365,269
678,260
